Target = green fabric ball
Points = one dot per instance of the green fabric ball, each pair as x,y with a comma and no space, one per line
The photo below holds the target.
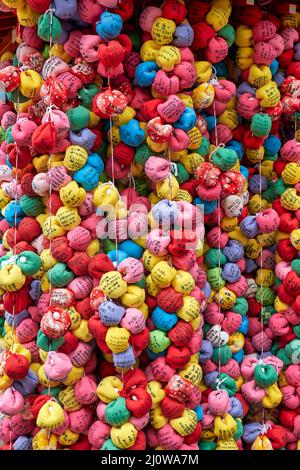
116,412
2,134
159,341
141,185
182,174
239,431
141,283
227,33
295,265
224,158
54,391
222,354
109,445
265,296
16,96
227,383
240,306
44,27
267,312
206,327
265,375
292,347
272,157
142,154
29,263
8,137
203,150
283,357
261,125
207,445
211,258
275,348
215,279
60,275
87,94
296,330
32,206
79,117
48,344
107,245
136,40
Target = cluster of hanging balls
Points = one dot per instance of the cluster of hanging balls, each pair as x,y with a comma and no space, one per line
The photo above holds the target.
150,226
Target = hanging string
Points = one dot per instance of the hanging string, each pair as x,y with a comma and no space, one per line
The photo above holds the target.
214,80
261,283
14,250
50,108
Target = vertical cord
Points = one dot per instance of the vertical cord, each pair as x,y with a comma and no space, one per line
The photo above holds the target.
261,284
113,181
219,250
50,211
16,200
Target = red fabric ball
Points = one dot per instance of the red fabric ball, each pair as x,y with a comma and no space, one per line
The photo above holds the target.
174,10
26,184
277,435
23,246
195,436
287,417
123,154
249,14
190,186
286,297
178,357
17,301
97,328
148,109
278,207
181,334
251,141
202,34
19,156
296,305
254,307
99,264
151,302
294,69
169,300
29,229
106,369
44,138
285,59
171,408
12,234
82,444
84,308
16,366
288,222
291,284
285,339
138,402
79,263
286,250
125,9
56,203
140,341
38,403
197,11
140,442
70,343
60,249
